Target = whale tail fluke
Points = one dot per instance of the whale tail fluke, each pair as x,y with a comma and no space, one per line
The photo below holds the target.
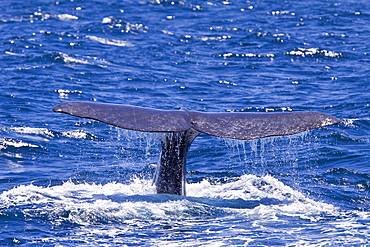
183,126
241,125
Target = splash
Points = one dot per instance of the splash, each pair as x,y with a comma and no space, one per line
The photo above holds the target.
244,206
258,197
139,140
258,153
78,134
350,122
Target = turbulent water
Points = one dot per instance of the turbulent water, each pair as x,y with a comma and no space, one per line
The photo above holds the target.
72,182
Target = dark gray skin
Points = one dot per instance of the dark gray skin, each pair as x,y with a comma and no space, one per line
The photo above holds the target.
171,173
183,126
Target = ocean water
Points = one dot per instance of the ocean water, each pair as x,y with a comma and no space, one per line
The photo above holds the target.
66,181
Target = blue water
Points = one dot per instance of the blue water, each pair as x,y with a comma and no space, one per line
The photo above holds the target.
72,182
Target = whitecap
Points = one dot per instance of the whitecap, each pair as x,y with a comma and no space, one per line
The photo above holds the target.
110,41
30,130
15,54
246,55
107,20
310,52
349,122
227,82
69,59
67,17
4,143
78,134
85,59
63,93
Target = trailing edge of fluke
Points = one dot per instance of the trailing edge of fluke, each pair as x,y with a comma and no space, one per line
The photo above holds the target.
183,126
241,125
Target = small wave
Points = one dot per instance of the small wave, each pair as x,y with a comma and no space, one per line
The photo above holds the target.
348,178
227,82
43,16
68,59
110,41
30,130
15,54
59,56
251,187
281,12
66,17
213,38
78,134
4,143
65,93
349,122
245,55
312,52
108,20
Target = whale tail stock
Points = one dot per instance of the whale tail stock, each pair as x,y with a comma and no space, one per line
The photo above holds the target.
183,126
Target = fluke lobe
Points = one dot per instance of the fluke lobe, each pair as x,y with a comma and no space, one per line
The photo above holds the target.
183,126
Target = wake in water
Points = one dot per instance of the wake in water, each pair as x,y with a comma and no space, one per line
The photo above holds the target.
260,197
249,201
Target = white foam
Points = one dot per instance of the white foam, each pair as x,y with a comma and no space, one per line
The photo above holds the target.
15,54
67,17
65,93
251,187
69,59
107,20
78,134
110,41
4,143
247,55
81,198
349,122
30,130
305,52
126,207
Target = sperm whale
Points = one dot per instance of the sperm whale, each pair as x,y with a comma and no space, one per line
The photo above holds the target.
181,127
